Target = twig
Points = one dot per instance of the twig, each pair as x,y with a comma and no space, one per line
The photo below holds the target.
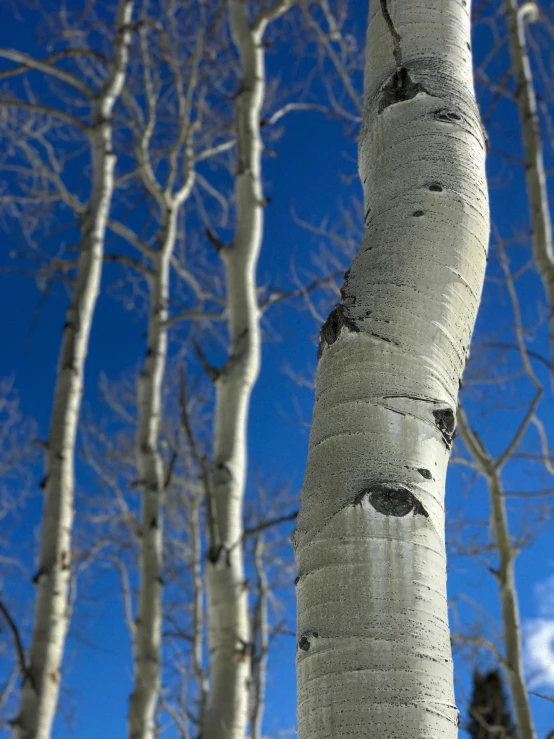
18,645
200,458
212,372
268,524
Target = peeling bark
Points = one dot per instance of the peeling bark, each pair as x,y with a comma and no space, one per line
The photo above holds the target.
369,541
51,620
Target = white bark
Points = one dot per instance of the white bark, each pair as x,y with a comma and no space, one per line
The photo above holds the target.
169,198
373,656
539,211
51,620
505,576
226,715
147,634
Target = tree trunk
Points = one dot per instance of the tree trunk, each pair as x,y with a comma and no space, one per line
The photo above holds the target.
260,642
226,714
147,635
41,687
373,650
539,211
511,629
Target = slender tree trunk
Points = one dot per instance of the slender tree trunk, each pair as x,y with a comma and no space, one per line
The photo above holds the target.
147,636
373,650
226,715
505,577
541,223
41,687
261,642
198,612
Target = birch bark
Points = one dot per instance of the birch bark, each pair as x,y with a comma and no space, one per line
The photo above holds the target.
539,211
227,710
147,634
169,197
373,650
51,620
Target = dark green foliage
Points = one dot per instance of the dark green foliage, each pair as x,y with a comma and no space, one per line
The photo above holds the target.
489,708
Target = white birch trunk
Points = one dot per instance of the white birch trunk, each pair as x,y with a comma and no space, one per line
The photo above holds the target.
539,211
227,711
51,620
505,577
373,651
147,634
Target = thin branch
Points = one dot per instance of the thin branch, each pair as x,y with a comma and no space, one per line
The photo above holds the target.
201,459
276,296
290,107
46,110
212,372
354,96
482,642
269,523
129,262
127,595
270,14
544,697
27,62
195,315
175,715
529,416
18,644
130,236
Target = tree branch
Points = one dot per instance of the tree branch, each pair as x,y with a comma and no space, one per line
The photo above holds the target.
27,62
18,644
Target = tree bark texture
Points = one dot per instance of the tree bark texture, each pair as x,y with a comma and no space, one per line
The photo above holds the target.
373,651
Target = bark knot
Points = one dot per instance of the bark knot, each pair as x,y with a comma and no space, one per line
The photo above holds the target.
305,641
332,327
391,499
425,473
447,116
445,421
399,88
215,552
245,650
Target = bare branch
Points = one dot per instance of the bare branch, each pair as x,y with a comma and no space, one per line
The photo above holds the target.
18,644
212,372
27,62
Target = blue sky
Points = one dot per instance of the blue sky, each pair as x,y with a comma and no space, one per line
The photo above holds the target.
312,153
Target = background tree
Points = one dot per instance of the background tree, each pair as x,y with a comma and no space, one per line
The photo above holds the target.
489,714
52,611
